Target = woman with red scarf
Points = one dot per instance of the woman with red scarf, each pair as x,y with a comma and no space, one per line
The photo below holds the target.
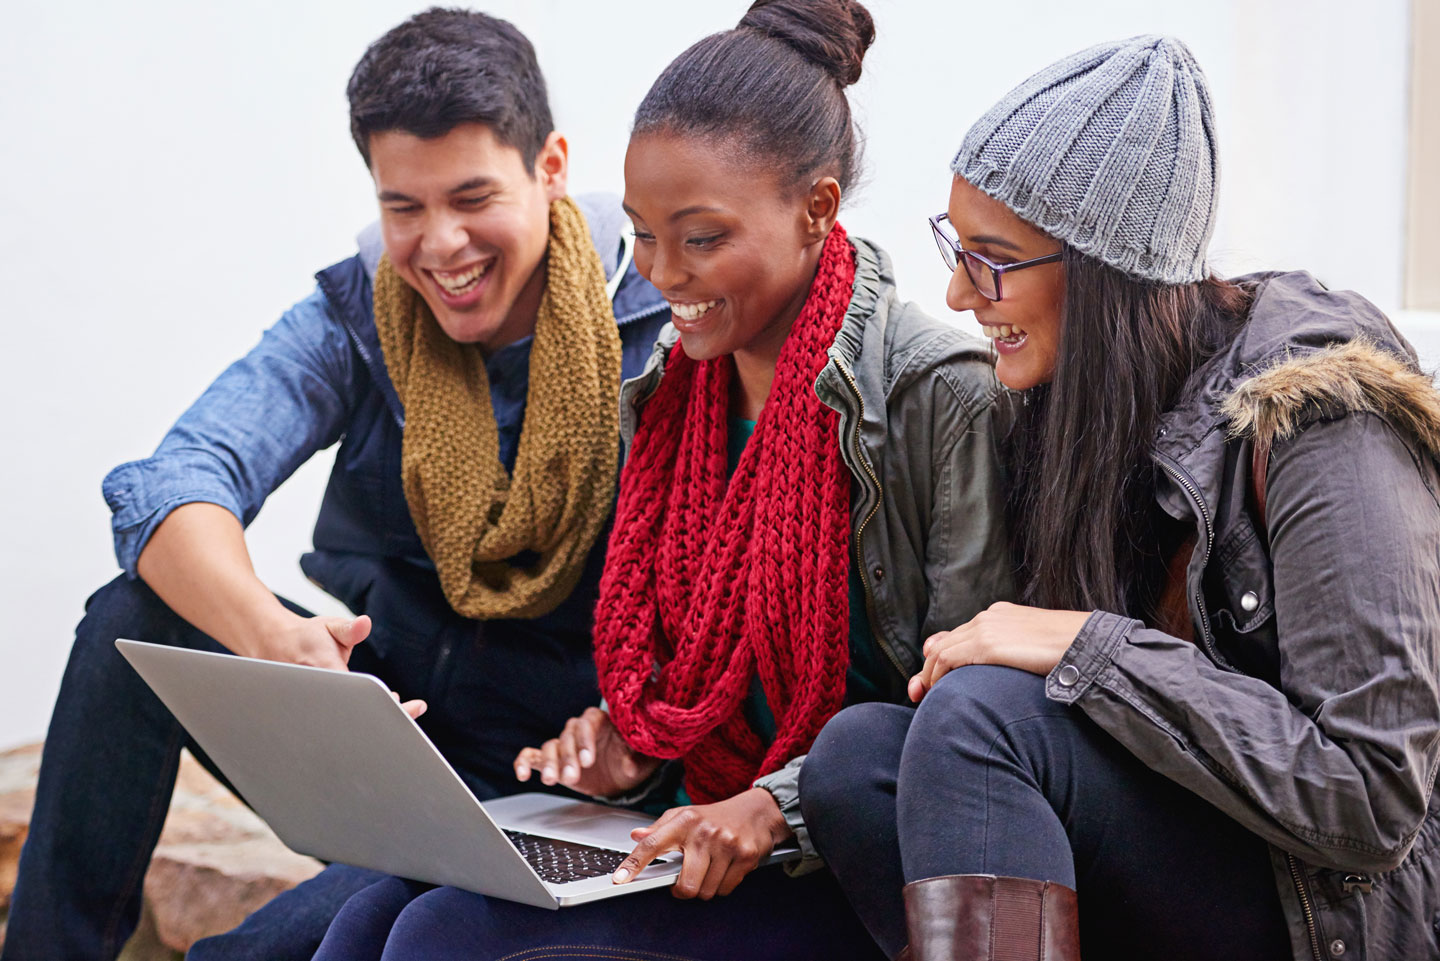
809,491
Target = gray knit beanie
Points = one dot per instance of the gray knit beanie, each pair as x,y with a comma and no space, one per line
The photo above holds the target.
1111,150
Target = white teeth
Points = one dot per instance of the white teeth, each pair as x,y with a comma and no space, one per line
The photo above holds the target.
461,282
1002,332
692,312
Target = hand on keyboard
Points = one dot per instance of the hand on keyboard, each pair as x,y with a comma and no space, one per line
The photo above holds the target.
721,842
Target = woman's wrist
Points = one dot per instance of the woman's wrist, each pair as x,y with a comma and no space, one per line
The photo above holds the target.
768,812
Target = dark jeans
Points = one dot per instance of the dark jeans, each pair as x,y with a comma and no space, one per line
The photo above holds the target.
112,752
768,916
987,776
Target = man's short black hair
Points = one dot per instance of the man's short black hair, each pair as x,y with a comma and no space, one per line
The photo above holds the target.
445,67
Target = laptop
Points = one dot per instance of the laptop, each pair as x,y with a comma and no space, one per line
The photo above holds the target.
342,773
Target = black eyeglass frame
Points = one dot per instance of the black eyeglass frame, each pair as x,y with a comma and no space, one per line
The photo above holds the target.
953,254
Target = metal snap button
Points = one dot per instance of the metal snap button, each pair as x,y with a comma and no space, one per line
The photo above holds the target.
1249,601
879,573
1069,676
1337,947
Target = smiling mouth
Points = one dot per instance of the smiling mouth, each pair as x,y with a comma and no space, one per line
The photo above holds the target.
1007,334
460,282
692,311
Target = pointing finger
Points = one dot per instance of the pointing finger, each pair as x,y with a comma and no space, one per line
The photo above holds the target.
660,839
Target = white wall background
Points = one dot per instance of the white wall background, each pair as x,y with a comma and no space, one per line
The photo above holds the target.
172,172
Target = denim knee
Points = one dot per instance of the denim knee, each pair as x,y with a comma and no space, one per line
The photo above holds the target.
977,703
852,747
358,927
125,607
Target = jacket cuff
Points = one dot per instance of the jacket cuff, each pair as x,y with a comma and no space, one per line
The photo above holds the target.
1089,655
784,787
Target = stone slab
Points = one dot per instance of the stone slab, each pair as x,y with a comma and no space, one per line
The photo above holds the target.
216,861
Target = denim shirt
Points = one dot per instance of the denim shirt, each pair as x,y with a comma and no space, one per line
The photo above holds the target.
318,377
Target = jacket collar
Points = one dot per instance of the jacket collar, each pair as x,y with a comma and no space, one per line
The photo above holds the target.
872,273
883,343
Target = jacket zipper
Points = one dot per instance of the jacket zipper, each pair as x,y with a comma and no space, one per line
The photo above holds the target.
369,361
1207,642
859,554
1305,907
441,670
1295,875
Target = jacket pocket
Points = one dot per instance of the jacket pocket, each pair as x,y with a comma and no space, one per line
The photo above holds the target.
1246,590
1240,593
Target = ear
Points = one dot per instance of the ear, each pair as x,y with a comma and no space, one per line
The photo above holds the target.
552,166
822,206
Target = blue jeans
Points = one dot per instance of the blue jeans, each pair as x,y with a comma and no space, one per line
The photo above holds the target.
768,916
111,755
987,776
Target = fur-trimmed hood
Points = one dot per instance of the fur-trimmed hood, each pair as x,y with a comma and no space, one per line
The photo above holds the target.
1304,352
1355,376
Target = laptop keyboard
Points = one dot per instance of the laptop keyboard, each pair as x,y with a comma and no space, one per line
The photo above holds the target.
559,861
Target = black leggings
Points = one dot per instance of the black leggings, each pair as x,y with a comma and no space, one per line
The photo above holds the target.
987,776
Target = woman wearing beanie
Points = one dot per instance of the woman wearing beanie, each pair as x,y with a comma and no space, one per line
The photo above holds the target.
811,489
1215,720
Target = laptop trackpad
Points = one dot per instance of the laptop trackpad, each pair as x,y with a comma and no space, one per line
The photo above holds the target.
568,820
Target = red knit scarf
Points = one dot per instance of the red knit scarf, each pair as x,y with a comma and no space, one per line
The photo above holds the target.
710,581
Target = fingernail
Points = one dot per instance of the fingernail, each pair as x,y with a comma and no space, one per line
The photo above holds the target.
522,772
548,775
621,875
571,772
587,756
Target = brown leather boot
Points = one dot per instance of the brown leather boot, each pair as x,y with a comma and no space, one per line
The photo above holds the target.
981,917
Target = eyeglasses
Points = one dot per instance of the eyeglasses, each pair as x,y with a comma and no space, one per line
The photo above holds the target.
983,272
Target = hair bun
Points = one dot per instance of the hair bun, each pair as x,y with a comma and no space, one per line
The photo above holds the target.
832,34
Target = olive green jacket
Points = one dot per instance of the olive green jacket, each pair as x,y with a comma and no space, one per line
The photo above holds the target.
919,431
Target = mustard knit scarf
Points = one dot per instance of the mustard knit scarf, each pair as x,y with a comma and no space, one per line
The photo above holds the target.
471,515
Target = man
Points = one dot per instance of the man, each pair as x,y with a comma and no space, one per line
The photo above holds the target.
471,376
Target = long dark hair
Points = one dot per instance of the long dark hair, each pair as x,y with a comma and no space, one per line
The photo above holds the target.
1082,503
774,85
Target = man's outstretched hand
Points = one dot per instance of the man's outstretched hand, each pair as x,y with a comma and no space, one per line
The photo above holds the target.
197,562
318,642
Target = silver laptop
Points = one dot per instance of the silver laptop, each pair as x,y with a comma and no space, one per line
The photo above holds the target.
342,773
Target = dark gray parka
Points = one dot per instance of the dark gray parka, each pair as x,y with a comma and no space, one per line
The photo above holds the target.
916,398
1308,707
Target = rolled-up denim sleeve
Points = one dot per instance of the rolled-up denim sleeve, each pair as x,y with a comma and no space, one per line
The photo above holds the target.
263,417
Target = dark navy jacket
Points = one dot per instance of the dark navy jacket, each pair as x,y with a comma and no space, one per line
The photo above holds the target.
317,377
